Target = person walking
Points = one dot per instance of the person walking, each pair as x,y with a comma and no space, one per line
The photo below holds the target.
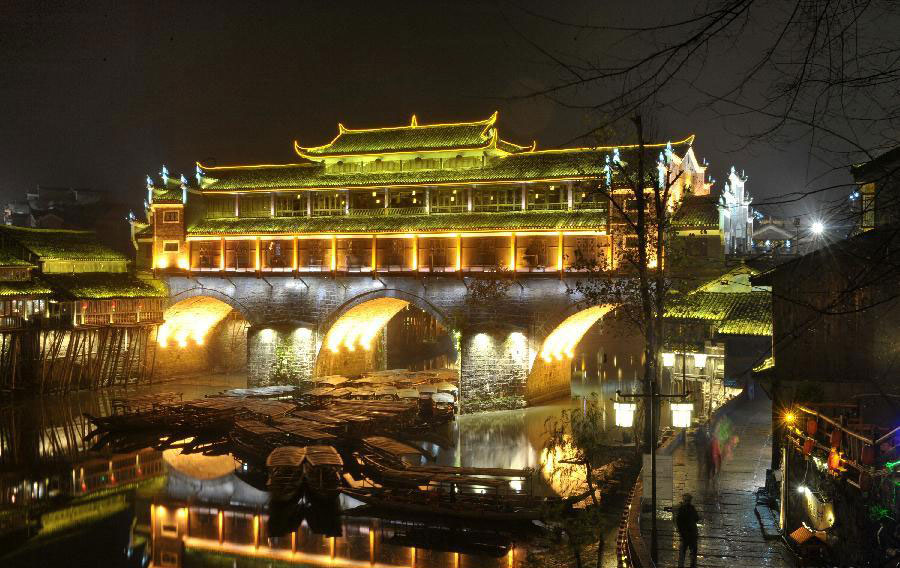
686,519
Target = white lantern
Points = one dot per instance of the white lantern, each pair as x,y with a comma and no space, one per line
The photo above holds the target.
625,414
668,359
700,360
681,414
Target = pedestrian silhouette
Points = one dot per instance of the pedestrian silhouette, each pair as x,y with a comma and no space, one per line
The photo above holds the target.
686,519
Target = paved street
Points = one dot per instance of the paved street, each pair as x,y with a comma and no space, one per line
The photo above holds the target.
730,534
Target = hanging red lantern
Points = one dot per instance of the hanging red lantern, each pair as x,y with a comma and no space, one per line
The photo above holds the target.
835,438
811,427
808,446
834,461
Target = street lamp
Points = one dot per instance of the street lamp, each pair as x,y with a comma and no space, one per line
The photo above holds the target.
651,414
817,228
625,413
681,414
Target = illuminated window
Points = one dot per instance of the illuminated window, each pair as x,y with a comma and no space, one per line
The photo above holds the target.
171,246
170,216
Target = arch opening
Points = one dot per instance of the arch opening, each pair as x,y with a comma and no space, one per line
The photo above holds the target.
359,325
201,335
561,342
191,320
551,375
385,332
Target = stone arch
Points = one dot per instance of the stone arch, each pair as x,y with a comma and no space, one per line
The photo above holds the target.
349,331
212,293
199,335
410,298
550,375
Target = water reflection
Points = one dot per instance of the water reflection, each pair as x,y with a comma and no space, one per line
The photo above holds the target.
62,503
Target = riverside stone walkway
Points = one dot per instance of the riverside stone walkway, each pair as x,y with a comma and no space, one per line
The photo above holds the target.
730,533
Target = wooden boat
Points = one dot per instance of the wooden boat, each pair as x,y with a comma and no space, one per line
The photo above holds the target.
291,468
429,503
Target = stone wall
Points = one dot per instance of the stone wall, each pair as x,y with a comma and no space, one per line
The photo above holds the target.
494,368
280,356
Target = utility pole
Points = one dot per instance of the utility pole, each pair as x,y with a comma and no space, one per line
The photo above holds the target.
654,397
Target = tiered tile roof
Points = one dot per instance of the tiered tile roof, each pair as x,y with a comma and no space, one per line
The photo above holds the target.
60,244
103,286
409,138
697,212
730,303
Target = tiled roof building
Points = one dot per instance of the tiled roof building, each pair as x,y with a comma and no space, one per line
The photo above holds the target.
413,198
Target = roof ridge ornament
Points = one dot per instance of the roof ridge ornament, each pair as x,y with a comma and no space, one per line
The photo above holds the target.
198,174
414,122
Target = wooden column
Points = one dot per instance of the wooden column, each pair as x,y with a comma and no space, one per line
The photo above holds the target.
374,256
258,256
524,197
190,257
559,254
333,253
512,253
415,258
222,255
221,516
272,204
428,200
309,196
469,198
570,197
237,205
295,263
459,254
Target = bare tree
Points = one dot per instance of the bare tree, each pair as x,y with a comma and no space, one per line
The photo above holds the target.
819,72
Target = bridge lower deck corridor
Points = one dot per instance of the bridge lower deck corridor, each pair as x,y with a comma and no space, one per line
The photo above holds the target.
730,534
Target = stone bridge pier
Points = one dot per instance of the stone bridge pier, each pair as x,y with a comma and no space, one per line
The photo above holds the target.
512,351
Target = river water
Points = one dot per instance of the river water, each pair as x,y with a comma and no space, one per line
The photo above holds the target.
62,504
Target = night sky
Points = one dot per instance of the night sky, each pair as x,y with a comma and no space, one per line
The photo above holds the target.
99,94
